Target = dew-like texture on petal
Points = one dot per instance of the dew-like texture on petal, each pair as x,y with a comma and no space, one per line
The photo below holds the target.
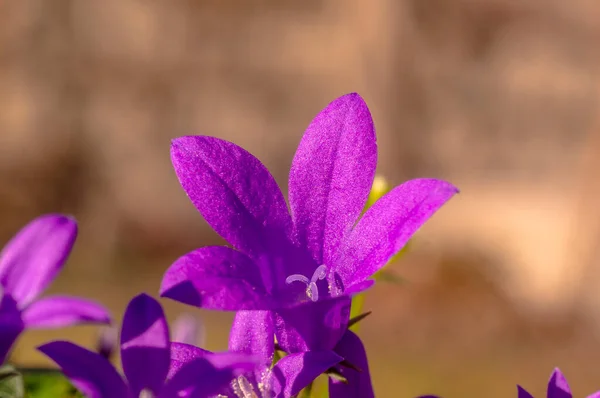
182,353
145,347
253,332
359,384
216,277
233,190
522,393
11,325
61,311
388,225
294,372
558,386
35,255
331,175
313,326
91,373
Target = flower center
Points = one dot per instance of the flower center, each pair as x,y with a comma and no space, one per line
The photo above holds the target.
312,291
243,388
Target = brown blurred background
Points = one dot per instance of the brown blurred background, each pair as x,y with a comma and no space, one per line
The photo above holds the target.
498,96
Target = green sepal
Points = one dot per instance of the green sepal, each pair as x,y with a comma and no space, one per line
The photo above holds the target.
334,374
11,383
48,383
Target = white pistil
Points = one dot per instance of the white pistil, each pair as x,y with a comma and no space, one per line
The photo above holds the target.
312,291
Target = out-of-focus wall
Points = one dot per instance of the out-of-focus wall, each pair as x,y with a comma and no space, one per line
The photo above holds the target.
496,95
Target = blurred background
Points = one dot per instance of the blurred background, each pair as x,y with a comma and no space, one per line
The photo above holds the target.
498,96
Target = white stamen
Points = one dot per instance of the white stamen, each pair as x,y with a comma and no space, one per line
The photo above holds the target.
243,388
296,278
312,291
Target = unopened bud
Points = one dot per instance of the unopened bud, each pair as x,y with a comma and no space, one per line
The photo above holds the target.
380,187
107,341
189,329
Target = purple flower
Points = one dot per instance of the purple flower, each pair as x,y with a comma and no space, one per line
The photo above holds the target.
28,263
149,362
303,265
252,333
557,388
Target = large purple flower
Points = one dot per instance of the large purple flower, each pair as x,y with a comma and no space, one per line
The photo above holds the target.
304,265
557,388
152,365
28,263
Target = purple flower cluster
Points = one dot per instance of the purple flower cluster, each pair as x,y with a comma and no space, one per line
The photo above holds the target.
290,272
557,388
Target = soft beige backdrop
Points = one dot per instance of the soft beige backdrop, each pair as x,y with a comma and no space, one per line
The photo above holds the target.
498,96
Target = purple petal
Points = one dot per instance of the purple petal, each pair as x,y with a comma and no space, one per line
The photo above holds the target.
313,326
594,395
388,225
91,373
253,332
33,257
60,311
522,393
11,325
359,384
331,175
207,375
9,332
145,347
233,191
294,372
558,386
181,354
359,287
216,277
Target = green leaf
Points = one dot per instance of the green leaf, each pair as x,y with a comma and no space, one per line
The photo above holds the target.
320,387
48,383
11,383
